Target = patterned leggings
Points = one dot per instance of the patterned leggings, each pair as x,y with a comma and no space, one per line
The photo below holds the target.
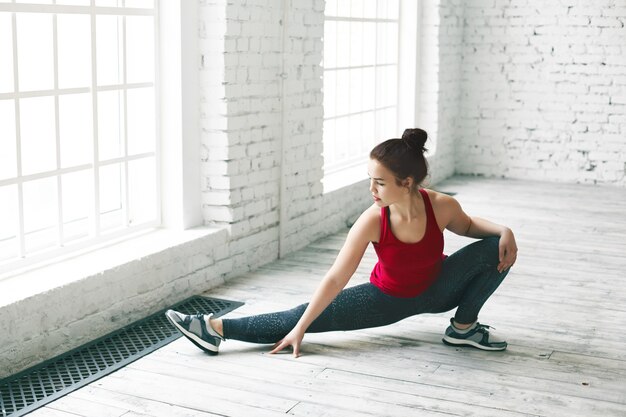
468,278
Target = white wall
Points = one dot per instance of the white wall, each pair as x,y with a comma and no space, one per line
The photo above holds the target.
262,128
439,76
544,90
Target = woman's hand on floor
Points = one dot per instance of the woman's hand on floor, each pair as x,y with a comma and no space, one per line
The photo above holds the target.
293,339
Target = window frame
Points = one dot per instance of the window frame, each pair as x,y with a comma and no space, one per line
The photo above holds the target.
407,92
177,133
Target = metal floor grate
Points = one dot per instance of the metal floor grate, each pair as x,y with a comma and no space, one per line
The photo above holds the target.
44,383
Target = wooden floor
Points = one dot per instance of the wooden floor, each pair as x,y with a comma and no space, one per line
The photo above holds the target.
562,309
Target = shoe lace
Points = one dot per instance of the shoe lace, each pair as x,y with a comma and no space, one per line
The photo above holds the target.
484,326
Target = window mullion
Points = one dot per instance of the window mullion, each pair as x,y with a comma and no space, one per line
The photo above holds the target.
18,147
55,49
125,197
95,213
376,80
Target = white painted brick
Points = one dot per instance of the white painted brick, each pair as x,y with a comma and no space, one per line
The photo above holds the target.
578,61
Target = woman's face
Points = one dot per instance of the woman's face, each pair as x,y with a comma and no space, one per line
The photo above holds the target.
383,185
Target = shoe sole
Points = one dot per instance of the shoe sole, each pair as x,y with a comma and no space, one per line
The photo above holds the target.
208,348
456,342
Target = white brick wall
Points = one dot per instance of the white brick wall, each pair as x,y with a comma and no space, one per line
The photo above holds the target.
440,77
544,91
262,127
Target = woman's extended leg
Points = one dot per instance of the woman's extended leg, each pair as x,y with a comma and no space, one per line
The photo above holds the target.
358,307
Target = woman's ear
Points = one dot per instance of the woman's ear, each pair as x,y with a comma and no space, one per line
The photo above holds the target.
408,183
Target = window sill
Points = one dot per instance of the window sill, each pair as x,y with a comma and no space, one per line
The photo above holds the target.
41,278
345,177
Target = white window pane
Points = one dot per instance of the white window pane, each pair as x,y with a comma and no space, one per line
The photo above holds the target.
40,213
329,142
8,222
393,9
34,51
111,214
343,91
38,137
369,40
74,49
142,4
141,120
75,129
8,211
369,93
381,43
6,53
8,164
330,44
356,125
342,137
343,44
142,190
139,48
357,8
109,52
330,93
369,128
110,124
392,43
382,9
381,86
391,86
356,44
369,9
77,195
330,8
343,8
386,123
356,90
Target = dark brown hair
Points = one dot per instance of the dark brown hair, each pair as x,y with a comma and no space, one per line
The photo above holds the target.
404,157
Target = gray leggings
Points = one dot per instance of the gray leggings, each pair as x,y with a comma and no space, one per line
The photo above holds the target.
468,278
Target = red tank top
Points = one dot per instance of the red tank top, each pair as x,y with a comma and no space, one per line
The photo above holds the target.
408,269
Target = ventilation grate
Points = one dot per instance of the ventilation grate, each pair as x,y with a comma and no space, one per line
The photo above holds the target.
44,383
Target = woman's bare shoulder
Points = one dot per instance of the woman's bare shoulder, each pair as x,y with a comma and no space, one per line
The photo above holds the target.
445,207
440,199
368,224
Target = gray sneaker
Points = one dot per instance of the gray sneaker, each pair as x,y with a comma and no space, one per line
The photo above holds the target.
195,329
477,336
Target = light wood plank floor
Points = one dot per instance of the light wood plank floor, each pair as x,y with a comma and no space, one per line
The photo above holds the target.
562,309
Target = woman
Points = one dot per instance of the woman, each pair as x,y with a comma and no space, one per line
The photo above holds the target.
412,276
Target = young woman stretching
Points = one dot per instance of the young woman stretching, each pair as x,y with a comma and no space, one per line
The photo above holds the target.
412,276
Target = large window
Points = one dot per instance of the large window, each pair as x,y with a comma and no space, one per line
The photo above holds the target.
78,136
361,54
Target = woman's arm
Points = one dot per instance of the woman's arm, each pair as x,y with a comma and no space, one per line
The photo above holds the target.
350,255
457,221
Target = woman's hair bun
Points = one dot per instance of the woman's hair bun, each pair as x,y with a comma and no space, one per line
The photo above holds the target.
415,138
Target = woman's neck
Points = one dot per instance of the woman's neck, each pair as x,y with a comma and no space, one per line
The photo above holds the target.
409,208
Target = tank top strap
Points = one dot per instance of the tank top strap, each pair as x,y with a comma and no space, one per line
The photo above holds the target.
384,223
430,213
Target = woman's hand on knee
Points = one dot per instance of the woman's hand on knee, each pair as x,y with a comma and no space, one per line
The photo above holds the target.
507,249
293,339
